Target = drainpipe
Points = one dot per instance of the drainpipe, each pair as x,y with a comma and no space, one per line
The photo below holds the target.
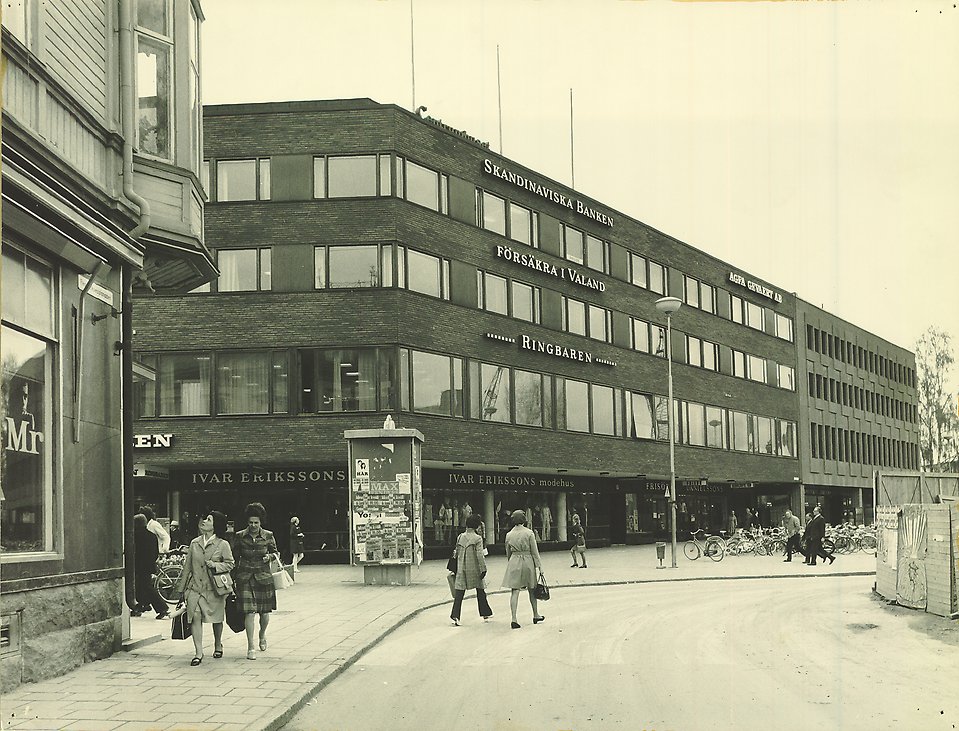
128,115
127,53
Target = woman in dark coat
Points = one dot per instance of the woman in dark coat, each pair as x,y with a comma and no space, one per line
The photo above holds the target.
146,551
254,548
470,570
296,543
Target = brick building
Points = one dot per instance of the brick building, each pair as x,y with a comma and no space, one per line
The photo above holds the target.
376,262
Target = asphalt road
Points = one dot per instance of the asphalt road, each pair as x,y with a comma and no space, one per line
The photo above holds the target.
772,654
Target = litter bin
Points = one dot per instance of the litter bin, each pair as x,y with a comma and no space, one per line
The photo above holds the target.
660,554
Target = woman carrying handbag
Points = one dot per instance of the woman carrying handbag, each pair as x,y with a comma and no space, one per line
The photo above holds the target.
208,557
470,571
255,591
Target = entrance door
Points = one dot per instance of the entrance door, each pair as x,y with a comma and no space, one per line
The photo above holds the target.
617,517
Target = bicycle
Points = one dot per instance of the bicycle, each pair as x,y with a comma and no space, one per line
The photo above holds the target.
169,566
712,546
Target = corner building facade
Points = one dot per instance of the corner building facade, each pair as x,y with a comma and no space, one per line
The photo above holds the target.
373,262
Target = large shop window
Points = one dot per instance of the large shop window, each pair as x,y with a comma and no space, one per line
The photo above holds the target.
29,352
340,380
243,180
245,270
184,384
492,396
431,383
343,267
154,37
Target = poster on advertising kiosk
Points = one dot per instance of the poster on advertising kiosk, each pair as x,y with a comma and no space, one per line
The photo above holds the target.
382,503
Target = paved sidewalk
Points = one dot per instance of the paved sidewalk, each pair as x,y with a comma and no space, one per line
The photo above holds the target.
327,620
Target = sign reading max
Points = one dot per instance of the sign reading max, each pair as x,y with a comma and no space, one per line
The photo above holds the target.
521,181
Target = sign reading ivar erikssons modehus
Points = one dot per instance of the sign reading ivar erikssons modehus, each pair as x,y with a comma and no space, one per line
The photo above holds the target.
521,181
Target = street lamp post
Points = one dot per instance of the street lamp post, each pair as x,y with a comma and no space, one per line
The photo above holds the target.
669,305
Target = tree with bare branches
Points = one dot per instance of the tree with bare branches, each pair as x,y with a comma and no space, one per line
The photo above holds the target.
938,420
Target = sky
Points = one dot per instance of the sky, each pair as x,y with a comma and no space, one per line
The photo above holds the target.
812,144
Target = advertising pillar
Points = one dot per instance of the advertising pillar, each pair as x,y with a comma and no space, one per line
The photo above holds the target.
386,501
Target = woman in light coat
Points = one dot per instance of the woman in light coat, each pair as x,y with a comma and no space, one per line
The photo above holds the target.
522,565
208,552
470,570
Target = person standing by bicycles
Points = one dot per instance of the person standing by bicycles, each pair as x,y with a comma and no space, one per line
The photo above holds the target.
790,524
146,550
153,525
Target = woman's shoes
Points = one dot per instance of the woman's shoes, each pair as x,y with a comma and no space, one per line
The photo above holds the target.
262,644
456,621
251,654
583,566
196,661
217,654
514,625
165,615
537,620
488,619
574,565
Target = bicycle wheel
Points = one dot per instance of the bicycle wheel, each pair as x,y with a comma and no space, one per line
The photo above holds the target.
691,550
828,545
868,544
733,546
843,545
762,548
715,549
778,547
165,582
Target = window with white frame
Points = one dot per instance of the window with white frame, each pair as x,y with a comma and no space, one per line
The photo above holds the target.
657,278
596,253
784,327
691,291
154,39
694,351
600,320
754,315
736,309
244,270
492,210
707,297
640,335
30,350
787,377
716,427
523,225
575,316
757,368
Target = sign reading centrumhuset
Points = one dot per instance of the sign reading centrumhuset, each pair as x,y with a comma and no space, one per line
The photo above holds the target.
382,500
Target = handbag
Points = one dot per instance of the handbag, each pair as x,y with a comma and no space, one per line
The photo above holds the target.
541,591
281,579
182,627
235,619
451,564
222,583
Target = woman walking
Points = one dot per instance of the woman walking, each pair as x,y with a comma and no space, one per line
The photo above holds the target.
255,593
470,570
209,553
578,547
296,543
522,565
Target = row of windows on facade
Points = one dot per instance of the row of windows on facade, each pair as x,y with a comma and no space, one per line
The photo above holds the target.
158,73
373,379
844,445
847,394
370,175
372,265
858,357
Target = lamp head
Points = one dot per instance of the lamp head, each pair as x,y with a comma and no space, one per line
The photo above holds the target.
668,305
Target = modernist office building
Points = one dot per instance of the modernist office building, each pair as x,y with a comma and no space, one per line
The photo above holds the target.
101,189
374,262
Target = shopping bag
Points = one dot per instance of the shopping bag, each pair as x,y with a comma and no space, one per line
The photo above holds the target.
182,628
234,617
541,591
281,579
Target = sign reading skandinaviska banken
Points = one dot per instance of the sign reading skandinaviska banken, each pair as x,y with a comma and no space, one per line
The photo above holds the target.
521,181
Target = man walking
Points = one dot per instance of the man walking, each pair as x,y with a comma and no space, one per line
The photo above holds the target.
815,532
790,524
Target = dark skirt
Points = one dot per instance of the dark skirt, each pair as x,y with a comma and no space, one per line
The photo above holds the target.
254,597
